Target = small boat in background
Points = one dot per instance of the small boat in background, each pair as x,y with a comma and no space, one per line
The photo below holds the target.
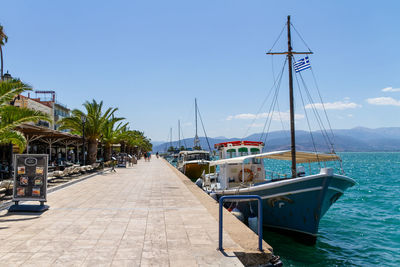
194,163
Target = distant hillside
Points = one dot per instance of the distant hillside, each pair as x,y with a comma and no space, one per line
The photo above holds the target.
358,139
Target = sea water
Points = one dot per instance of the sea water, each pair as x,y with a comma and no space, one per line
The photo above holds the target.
363,227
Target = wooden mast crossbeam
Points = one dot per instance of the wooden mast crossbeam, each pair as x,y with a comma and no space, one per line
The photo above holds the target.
287,53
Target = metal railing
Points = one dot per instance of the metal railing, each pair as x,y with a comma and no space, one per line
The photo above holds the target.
260,217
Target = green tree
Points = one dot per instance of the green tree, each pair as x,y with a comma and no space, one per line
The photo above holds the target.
12,117
96,119
136,140
3,41
112,134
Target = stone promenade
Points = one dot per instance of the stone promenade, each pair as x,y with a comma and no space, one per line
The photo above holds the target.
143,215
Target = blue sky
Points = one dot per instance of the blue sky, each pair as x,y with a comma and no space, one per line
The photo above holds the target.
152,58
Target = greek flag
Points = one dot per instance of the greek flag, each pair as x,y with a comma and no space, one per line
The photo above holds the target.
302,64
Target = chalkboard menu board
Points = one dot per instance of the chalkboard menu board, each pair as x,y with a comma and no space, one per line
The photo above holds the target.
30,177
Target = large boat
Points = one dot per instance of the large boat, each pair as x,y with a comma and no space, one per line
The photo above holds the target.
295,199
294,205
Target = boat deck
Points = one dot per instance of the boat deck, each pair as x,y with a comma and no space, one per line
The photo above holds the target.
148,214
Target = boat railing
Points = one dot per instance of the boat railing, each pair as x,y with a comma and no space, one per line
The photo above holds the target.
275,175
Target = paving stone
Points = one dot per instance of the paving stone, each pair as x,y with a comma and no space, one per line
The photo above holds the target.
139,216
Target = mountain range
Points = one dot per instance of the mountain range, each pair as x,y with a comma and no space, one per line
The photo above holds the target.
359,139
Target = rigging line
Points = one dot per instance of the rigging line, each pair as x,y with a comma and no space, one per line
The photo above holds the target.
322,125
168,142
204,129
183,138
270,120
266,120
280,117
272,107
301,37
279,36
316,114
323,105
308,121
264,101
272,67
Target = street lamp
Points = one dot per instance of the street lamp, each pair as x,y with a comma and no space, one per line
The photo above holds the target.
83,118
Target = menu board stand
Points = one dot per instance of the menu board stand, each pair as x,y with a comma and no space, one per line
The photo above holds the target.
30,182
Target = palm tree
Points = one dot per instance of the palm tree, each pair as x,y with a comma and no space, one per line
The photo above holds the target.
112,134
11,116
96,120
3,41
136,139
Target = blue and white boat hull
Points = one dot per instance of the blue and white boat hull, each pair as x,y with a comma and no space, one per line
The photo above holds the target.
295,205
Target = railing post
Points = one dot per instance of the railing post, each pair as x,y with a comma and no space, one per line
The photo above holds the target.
260,217
221,202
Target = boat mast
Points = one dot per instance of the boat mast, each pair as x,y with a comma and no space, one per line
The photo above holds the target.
170,137
179,134
292,125
290,54
196,138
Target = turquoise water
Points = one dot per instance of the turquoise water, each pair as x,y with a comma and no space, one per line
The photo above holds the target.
363,227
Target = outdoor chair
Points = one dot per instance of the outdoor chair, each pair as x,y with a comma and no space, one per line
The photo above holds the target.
58,173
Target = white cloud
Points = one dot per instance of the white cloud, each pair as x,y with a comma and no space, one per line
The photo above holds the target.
276,116
383,101
350,115
390,89
339,105
256,125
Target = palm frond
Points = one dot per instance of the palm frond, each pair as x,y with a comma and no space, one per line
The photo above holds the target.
10,89
15,138
12,117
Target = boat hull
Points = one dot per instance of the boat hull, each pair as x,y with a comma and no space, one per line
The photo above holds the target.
295,206
194,170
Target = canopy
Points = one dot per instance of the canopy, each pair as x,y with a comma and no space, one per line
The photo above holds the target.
301,157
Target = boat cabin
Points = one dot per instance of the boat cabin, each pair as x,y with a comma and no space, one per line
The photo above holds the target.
235,173
193,155
234,149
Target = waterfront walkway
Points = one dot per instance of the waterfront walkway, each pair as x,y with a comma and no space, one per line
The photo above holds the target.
142,215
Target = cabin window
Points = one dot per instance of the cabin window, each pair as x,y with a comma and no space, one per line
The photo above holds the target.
254,150
198,156
243,151
231,153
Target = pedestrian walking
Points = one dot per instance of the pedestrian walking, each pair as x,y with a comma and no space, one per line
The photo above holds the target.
113,160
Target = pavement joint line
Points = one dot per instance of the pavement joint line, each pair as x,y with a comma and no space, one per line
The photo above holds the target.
9,203
127,209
